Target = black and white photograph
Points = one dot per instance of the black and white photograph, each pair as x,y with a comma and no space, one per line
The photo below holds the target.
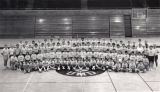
79,45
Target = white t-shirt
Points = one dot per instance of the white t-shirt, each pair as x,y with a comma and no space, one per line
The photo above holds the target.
5,51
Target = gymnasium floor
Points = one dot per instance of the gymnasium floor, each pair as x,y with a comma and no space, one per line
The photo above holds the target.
16,81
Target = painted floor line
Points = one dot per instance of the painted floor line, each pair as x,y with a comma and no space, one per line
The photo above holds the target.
145,82
27,82
112,82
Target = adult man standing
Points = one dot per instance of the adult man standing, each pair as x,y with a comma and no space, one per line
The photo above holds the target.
5,54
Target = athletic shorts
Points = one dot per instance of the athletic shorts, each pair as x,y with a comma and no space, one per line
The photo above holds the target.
109,67
11,62
151,58
40,65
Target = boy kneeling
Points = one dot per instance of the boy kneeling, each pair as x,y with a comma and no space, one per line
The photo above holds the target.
141,67
132,66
